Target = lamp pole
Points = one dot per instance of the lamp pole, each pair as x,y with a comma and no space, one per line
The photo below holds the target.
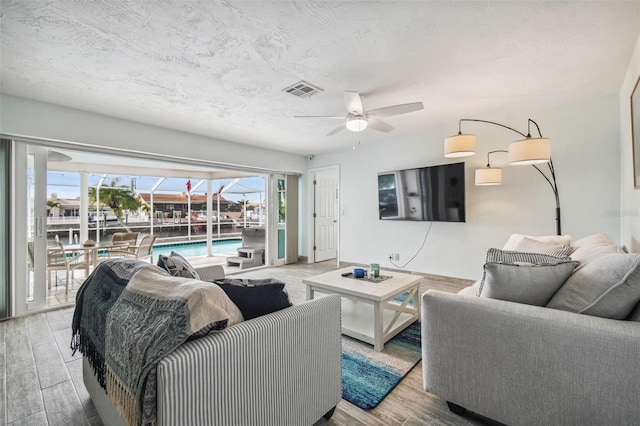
550,178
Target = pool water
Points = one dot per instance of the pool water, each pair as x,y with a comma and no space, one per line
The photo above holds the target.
198,248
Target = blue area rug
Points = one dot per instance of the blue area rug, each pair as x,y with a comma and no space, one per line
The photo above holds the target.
368,376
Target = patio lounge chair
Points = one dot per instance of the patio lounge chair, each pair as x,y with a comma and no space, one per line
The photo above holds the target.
252,251
126,243
145,249
57,260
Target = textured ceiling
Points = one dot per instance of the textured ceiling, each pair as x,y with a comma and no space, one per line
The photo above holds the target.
218,68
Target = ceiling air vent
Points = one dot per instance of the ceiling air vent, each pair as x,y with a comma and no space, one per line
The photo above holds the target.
302,89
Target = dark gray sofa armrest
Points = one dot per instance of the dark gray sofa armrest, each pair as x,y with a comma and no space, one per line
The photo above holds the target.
521,364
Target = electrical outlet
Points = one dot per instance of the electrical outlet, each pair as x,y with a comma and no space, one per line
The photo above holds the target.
396,256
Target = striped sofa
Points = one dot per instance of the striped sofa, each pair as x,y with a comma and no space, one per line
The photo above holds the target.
279,369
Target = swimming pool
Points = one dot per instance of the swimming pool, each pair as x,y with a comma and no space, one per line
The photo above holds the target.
198,248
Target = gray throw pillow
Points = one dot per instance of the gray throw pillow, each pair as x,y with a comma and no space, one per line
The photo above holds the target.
607,286
512,257
177,266
508,256
530,284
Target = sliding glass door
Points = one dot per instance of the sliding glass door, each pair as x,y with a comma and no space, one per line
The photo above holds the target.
277,219
53,198
5,226
283,223
30,210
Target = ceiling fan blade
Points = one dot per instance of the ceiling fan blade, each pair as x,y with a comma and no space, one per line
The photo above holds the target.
396,109
336,130
379,125
319,116
353,103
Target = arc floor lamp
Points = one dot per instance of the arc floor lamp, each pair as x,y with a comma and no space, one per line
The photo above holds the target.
528,151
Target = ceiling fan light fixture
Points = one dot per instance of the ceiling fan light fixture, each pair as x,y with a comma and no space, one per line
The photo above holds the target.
356,124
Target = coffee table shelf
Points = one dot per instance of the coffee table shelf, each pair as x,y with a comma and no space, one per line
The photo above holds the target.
369,312
357,323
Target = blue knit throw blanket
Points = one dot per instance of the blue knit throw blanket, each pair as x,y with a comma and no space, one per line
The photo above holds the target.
94,300
153,315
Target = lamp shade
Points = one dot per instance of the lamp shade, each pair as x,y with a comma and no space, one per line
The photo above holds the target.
529,151
460,145
489,176
356,124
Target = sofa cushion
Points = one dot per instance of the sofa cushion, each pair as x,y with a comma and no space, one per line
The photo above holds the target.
607,286
529,245
593,246
515,239
515,257
177,266
531,284
635,314
256,297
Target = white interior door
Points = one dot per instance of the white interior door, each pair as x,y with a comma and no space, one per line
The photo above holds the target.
325,211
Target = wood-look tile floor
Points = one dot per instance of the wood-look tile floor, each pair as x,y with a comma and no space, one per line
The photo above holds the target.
41,382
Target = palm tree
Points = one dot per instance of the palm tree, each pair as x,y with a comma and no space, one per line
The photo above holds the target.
147,208
237,206
51,204
118,198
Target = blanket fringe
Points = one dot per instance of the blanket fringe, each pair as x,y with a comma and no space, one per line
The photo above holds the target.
95,358
122,399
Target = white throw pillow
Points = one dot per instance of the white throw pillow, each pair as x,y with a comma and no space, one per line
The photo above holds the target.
593,245
528,245
515,239
472,290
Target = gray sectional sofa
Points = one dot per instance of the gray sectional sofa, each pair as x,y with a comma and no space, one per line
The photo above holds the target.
521,364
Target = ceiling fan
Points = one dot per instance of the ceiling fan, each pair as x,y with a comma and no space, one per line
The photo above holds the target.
357,119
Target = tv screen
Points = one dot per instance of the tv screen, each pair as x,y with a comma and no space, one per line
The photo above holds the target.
433,193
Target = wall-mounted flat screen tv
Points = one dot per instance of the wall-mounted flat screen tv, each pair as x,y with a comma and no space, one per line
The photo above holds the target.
434,193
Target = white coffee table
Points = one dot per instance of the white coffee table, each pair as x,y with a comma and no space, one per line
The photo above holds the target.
369,312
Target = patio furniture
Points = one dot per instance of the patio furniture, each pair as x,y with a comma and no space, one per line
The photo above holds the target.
252,251
145,249
125,242
57,260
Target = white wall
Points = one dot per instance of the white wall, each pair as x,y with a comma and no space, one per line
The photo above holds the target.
25,117
586,154
629,197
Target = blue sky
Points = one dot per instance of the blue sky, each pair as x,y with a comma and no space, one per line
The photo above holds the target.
67,185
